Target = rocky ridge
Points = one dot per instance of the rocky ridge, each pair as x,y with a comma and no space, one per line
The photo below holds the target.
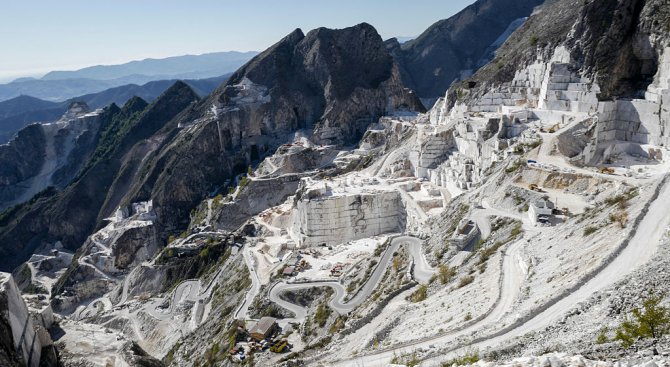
481,258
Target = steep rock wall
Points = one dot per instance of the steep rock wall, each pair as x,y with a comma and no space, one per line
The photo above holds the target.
25,342
338,219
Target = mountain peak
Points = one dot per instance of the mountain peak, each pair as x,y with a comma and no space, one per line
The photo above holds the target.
294,36
348,58
135,104
179,90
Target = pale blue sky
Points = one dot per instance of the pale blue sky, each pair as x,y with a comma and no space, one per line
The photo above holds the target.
37,36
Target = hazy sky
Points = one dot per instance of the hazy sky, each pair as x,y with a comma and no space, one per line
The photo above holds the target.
37,36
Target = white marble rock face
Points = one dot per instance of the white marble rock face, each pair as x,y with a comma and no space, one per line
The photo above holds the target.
25,339
623,124
342,218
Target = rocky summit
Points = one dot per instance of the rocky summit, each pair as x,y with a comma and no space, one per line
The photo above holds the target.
311,211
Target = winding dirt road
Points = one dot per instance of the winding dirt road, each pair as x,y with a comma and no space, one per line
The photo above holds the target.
422,273
639,251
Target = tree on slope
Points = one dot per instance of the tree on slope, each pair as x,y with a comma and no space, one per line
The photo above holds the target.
652,321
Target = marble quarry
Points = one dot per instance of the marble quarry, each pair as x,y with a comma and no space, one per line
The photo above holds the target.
624,125
334,212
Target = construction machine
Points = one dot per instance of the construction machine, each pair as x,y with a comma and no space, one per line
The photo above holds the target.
279,347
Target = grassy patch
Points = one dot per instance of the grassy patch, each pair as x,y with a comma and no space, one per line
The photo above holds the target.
321,315
468,358
590,230
408,359
620,217
514,166
445,274
621,201
169,358
244,181
602,336
420,294
338,324
465,281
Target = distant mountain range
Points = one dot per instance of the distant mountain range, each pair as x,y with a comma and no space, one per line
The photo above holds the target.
20,111
177,67
58,86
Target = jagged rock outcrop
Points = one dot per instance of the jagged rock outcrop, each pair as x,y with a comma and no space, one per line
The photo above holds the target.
618,41
314,81
615,43
126,242
453,47
257,196
20,342
135,356
336,81
579,59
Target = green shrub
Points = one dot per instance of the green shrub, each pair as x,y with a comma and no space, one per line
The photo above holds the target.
440,252
338,324
590,230
653,321
460,94
379,249
33,288
620,200
514,166
321,315
620,217
25,272
468,358
465,281
409,359
445,273
420,294
169,358
602,336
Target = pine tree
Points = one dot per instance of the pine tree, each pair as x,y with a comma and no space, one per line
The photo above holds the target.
653,321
